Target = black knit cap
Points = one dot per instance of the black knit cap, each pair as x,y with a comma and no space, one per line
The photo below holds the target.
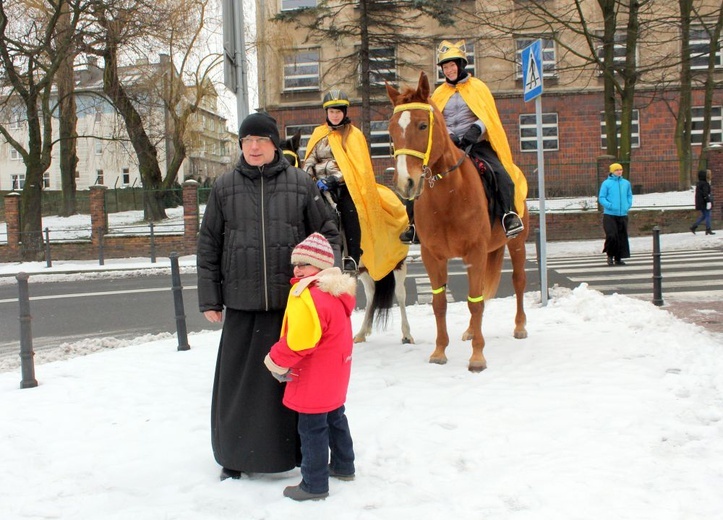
260,124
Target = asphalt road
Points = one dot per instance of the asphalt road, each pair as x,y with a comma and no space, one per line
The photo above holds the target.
132,306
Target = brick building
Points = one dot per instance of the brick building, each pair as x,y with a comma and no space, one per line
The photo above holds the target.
295,73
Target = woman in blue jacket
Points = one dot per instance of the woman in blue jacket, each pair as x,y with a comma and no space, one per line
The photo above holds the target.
616,198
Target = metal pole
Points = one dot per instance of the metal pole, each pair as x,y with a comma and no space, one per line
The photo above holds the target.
178,304
541,190
26,336
48,260
657,271
101,260
153,245
242,103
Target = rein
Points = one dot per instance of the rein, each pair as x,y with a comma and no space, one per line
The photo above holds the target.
426,170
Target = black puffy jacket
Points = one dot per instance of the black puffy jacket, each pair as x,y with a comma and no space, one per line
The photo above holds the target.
254,218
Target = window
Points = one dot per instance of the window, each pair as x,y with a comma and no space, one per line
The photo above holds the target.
635,131
700,49
528,132
17,181
126,176
716,125
46,179
382,66
98,114
306,131
380,143
288,5
15,121
301,71
99,179
619,51
549,57
469,50
98,147
14,154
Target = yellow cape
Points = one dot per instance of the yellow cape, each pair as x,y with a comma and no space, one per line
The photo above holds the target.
479,98
382,216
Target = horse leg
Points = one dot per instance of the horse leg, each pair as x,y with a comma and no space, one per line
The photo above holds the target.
518,254
366,327
400,292
437,271
476,306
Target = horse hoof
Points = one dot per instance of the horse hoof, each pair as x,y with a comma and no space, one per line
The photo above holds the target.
360,339
520,334
438,361
477,367
407,341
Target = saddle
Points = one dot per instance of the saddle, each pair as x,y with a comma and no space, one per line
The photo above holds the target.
489,179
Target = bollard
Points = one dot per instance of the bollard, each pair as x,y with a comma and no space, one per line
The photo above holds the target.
153,245
101,259
26,337
178,304
657,272
48,261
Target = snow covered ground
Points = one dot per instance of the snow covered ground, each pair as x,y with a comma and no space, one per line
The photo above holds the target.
611,408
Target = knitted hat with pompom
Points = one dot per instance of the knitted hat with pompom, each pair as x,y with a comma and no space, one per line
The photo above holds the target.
314,250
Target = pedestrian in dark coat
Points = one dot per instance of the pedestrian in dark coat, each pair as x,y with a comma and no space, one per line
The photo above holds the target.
703,203
616,198
254,217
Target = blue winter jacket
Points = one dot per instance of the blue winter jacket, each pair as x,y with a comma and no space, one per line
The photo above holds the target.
616,196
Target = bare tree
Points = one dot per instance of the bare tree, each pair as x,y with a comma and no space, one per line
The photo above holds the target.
140,28
359,27
33,45
67,121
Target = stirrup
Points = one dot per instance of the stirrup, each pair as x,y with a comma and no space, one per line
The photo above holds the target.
517,226
409,236
349,265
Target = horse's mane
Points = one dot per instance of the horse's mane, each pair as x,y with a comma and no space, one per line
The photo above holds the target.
411,95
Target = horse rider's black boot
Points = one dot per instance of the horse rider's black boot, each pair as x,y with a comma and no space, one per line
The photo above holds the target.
693,228
409,236
512,224
349,265
611,260
709,231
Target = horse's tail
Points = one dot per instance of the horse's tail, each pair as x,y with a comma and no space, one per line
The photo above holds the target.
493,272
383,299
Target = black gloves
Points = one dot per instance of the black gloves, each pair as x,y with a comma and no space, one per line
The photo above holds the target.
455,139
470,137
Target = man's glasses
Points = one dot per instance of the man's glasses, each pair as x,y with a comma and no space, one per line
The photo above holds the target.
255,140
300,265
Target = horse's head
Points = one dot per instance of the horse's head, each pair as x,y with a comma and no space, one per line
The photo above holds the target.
290,147
414,126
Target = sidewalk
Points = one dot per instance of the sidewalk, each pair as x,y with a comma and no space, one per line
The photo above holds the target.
707,314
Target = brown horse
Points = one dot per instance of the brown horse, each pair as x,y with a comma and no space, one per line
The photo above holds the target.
451,217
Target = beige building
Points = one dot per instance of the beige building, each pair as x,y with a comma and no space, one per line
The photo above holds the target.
105,155
295,73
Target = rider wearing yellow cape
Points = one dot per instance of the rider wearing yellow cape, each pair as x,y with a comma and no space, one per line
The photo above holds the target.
474,121
337,155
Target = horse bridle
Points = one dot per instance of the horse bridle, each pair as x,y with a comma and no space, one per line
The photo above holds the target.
294,155
426,170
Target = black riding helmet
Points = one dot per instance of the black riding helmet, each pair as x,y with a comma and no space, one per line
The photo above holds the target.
336,99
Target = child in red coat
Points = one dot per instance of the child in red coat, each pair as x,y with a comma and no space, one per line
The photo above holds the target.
313,357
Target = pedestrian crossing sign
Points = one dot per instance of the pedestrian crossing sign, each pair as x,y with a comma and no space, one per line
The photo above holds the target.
532,70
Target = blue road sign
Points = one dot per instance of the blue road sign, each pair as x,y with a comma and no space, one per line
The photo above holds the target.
532,70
